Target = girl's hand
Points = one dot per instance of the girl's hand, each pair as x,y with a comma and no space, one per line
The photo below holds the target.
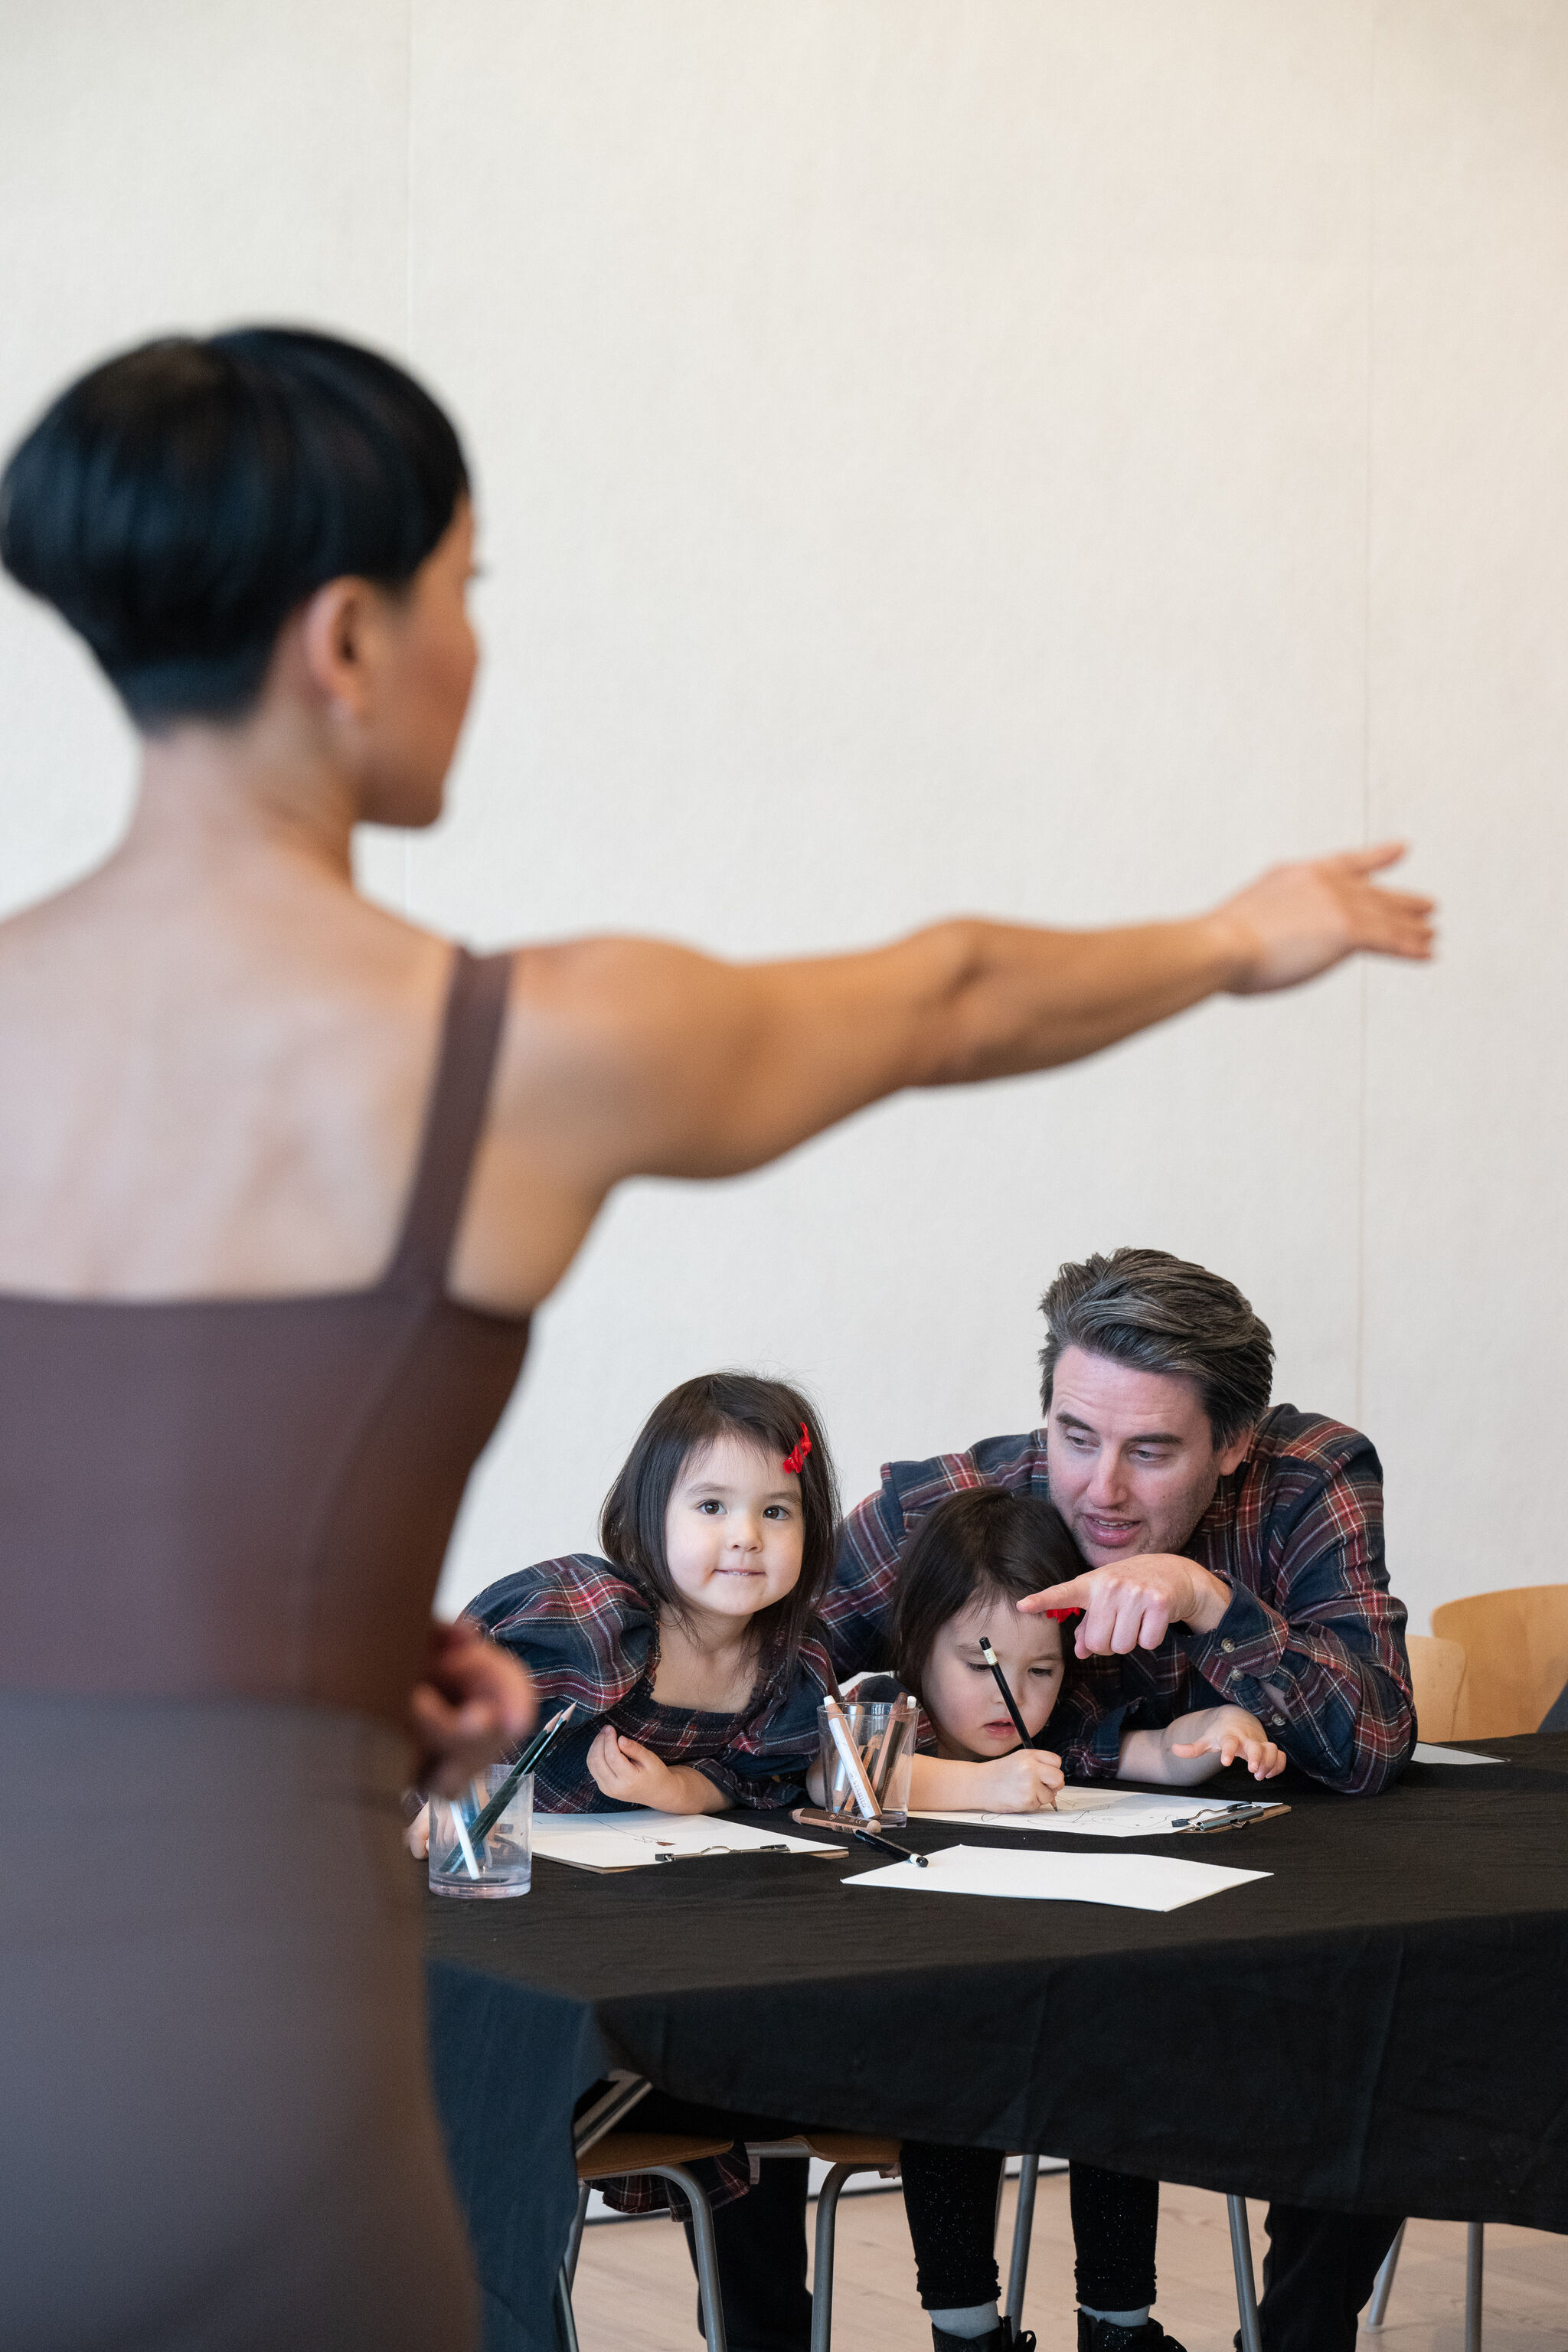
1024,1782
1229,1732
416,1836
627,1770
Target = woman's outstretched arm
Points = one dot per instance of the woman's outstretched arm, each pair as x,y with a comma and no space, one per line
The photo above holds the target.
635,1058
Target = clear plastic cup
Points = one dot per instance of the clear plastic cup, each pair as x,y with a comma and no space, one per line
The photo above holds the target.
499,1862
883,1731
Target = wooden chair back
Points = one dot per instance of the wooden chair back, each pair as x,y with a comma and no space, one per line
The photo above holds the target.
1516,1656
1437,1674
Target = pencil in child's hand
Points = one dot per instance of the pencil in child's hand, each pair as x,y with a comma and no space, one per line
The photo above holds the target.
994,1663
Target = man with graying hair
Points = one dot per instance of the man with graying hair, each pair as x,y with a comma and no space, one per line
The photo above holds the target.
1234,1553
1234,1559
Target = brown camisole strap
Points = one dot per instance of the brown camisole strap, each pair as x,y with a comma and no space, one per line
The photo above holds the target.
454,1120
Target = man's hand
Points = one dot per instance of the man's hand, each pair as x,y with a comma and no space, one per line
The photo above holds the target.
1134,1603
1228,1732
475,1703
1024,1782
624,1768
1296,922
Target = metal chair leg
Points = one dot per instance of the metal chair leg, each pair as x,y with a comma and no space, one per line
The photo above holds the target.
1382,2285
1245,2290
566,2323
1023,2225
706,2249
1475,2258
575,2242
822,2275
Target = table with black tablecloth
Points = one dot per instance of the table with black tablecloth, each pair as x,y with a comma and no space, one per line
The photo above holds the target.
1381,2024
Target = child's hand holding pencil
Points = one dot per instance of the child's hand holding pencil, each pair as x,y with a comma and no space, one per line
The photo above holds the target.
1024,1782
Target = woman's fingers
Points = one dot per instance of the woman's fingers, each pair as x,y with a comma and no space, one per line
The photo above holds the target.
476,1702
456,1741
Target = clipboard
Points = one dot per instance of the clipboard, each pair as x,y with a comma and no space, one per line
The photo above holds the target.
1238,1816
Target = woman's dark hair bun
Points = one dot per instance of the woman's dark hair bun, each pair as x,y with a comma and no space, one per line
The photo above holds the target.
178,503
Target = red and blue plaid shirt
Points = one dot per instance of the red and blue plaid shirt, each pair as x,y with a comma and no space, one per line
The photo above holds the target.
1313,1642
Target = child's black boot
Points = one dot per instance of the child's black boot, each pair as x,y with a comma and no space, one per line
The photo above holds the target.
1001,2340
1104,2336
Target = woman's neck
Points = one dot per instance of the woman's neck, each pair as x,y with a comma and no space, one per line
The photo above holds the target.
208,791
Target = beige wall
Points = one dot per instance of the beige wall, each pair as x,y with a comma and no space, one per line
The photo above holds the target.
1042,458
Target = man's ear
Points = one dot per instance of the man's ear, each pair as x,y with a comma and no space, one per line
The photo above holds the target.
335,626
1233,1455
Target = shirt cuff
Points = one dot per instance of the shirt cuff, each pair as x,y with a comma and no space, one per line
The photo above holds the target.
763,1793
1244,1647
1098,1757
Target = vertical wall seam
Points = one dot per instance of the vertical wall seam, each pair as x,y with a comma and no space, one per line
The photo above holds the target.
1364,977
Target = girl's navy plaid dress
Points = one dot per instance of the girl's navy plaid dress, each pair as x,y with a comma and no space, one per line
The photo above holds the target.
584,1632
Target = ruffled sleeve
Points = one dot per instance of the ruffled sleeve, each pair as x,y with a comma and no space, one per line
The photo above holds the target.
581,1629
584,1632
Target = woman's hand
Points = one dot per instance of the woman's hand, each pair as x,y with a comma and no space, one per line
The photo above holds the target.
1229,1733
475,1703
634,1775
1024,1782
1296,922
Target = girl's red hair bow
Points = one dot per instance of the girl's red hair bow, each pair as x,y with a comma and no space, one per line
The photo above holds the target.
794,1461
1061,1616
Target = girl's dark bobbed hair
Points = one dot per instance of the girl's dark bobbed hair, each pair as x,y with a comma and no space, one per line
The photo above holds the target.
178,503
723,1404
981,1543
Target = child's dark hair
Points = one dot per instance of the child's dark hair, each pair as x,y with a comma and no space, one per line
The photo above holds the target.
723,1404
980,1542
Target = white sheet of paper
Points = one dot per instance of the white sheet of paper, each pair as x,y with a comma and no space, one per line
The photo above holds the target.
635,1841
1134,1882
1097,1812
1426,1754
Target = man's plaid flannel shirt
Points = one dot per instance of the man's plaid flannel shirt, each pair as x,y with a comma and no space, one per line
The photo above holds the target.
1313,1642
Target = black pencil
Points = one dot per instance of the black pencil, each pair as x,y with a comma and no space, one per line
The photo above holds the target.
994,1663
890,1845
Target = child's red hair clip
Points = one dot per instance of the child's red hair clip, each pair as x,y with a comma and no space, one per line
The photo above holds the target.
794,1461
1061,1616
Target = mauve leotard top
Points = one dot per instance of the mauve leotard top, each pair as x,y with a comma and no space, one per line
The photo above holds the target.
251,1497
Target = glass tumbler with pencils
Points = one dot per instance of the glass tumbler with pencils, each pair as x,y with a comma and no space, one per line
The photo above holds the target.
481,1842
883,1731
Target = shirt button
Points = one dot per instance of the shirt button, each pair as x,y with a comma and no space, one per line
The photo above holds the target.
1227,1647
1277,1721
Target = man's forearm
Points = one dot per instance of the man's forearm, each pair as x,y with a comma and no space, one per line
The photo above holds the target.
1337,1713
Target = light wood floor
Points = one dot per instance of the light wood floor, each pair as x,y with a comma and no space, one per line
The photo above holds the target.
634,2291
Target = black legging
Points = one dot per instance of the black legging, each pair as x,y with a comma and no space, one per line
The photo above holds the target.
950,2195
1317,2276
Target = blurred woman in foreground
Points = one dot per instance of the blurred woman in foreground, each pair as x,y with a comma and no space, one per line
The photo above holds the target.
282,1178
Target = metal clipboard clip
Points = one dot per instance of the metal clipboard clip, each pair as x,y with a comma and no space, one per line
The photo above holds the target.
1238,1816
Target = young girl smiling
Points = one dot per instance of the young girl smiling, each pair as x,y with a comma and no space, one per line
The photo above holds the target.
691,1647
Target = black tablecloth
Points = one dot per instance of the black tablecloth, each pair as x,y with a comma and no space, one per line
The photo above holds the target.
1381,2024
